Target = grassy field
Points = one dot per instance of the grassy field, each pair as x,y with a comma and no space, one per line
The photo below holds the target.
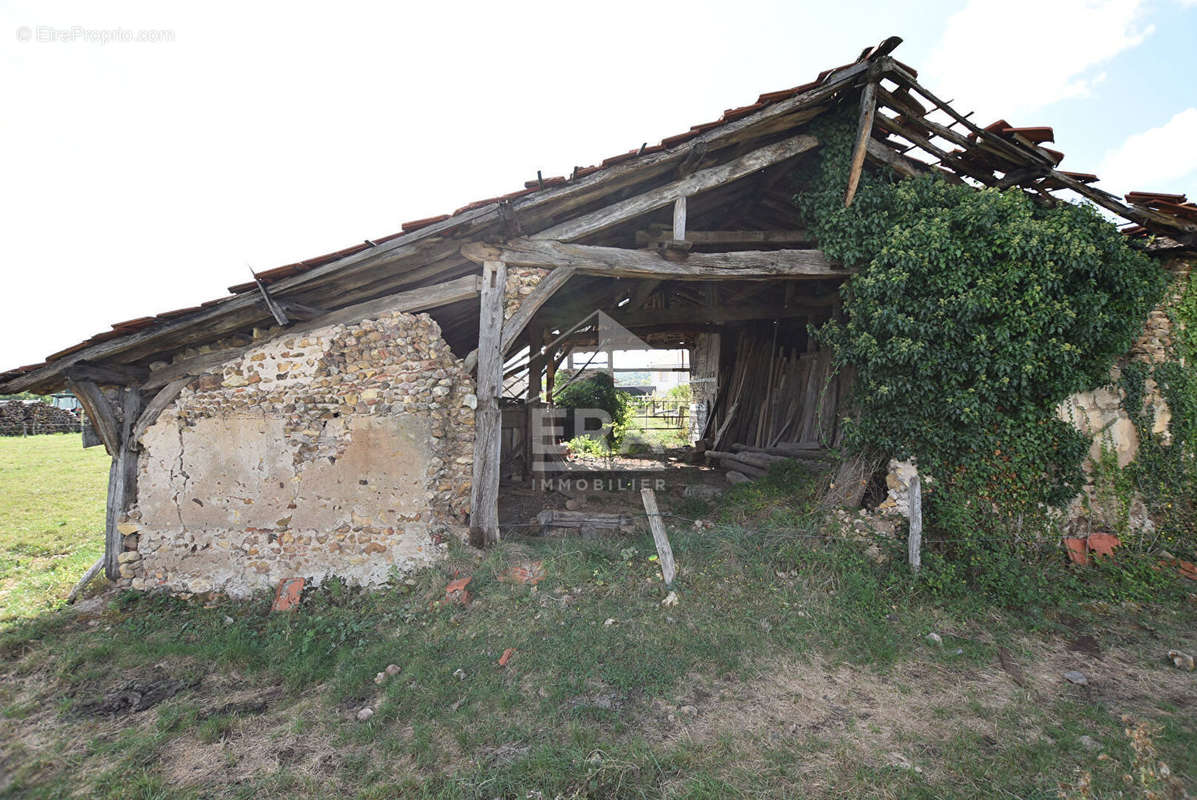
791,666
51,519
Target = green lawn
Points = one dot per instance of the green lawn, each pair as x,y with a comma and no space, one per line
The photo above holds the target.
51,519
791,666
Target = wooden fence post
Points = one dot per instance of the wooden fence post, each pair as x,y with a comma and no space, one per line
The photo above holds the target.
914,543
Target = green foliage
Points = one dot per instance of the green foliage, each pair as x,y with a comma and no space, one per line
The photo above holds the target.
683,393
1164,473
596,392
974,314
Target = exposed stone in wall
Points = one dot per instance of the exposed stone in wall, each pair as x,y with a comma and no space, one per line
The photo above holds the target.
1099,413
520,283
345,450
898,476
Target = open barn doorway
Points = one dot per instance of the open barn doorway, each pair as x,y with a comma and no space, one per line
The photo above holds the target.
718,379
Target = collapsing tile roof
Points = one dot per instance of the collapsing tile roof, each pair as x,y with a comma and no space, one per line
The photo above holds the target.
914,131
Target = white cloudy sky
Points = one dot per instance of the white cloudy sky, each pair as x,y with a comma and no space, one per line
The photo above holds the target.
141,177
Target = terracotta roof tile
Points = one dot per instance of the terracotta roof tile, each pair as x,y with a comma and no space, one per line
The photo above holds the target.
416,224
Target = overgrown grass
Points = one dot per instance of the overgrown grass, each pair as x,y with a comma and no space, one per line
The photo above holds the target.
792,665
51,519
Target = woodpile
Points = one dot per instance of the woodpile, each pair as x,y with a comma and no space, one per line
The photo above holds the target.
778,403
777,395
20,418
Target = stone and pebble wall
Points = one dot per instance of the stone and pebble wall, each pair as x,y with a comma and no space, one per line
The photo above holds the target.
520,283
345,450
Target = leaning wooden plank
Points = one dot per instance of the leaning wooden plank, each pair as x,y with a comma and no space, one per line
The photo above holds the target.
664,551
619,262
99,413
165,396
864,133
122,482
92,572
411,301
484,490
700,181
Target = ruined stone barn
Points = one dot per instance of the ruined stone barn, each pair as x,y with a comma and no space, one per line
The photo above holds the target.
351,413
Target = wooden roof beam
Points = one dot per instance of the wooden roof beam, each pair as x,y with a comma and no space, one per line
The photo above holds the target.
618,262
701,181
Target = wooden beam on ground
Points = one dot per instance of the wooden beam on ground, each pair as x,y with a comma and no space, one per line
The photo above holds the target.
729,238
122,482
664,551
864,133
700,181
484,489
99,413
618,262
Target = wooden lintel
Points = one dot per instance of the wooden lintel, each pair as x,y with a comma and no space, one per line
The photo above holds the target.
620,262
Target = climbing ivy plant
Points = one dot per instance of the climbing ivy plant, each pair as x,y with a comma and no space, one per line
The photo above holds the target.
973,315
1164,474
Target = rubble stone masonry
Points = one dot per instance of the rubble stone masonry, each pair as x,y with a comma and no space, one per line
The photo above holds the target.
345,450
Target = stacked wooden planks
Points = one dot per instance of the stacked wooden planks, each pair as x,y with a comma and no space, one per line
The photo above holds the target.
778,395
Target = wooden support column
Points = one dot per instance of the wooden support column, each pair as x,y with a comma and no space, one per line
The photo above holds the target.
532,401
484,490
122,481
114,423
864,131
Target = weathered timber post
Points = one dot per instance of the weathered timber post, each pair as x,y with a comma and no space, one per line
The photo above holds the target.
532,398
114,423
915,541
484,490
664,551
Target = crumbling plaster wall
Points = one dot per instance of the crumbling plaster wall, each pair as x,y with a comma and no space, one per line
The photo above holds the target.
345,450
